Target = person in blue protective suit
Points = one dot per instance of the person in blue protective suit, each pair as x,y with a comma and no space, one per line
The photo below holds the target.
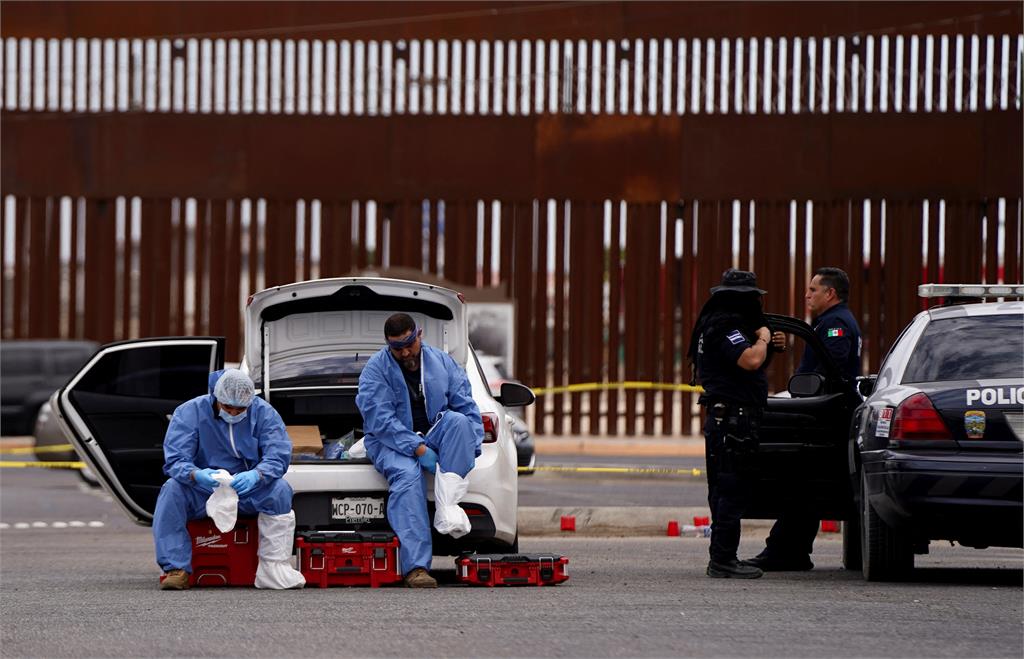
418,415
789,545
227,429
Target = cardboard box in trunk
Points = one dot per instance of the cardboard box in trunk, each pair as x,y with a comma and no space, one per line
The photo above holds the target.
305,439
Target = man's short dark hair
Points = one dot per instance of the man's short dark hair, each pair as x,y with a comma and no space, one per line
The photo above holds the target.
398,324
836,279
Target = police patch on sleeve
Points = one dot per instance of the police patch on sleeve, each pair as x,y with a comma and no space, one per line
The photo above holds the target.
835,331
735,337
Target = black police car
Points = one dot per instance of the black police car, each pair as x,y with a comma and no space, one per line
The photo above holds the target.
936,450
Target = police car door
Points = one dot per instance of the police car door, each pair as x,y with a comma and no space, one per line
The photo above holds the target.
116,409
801,462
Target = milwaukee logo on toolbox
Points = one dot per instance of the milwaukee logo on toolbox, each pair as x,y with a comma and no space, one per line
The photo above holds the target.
512,570
209,541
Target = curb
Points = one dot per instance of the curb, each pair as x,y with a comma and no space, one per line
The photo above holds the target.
683,447
615,520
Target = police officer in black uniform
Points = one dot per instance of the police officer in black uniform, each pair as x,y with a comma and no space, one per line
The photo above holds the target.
729,346
791,540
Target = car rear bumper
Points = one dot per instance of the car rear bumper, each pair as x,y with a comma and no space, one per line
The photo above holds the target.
491,500
975,500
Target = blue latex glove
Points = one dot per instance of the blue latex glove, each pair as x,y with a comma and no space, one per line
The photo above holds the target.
428,460
204,478
245,482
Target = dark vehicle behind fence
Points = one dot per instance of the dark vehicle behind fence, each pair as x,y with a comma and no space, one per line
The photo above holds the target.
30,371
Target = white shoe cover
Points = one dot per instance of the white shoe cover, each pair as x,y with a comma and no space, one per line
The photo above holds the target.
449,488
275,571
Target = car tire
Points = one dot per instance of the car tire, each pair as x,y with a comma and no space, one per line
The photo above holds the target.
851,543
886,554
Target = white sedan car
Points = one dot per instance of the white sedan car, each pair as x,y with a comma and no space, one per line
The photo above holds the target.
305,345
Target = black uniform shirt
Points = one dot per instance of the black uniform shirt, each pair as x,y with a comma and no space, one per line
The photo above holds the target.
718,349
838,330
417,401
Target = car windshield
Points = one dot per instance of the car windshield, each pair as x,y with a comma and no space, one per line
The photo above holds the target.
319,370
969,348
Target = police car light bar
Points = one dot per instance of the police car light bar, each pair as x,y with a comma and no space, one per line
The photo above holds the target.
970,290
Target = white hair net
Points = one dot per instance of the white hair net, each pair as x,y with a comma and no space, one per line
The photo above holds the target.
234,388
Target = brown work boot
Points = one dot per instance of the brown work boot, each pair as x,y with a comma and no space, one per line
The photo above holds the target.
175,580
420,578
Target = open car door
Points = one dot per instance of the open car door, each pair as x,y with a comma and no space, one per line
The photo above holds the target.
116,410
801,462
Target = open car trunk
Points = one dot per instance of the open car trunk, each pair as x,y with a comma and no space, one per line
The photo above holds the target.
328,417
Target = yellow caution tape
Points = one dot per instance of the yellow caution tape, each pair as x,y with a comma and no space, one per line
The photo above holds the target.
59,448
598,386
616,470
43,465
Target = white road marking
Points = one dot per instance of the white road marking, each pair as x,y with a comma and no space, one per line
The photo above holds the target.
54,525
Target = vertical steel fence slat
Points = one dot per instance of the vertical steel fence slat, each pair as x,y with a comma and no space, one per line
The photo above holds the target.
539,338
231,277
559,335
100,250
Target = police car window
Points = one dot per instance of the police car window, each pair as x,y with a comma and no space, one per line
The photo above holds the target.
968,348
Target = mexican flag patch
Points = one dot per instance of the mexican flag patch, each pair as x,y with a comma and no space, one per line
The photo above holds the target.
835,331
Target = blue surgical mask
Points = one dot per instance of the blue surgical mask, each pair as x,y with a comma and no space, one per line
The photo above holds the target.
232,420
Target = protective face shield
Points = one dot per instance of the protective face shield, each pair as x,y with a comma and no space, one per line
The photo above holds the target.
407,351
407,342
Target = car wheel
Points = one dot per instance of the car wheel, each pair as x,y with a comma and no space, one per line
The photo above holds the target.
886,554
851,543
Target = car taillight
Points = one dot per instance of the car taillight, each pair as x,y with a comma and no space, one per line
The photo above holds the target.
916,418
490,427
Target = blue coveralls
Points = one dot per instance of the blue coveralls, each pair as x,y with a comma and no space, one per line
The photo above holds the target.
792,535
197,439
384,403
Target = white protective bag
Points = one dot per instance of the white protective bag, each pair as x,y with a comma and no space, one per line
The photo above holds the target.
357,450
449,488
275,571
222,506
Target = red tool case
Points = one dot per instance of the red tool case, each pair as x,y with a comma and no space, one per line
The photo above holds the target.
512,570
223,559
348,558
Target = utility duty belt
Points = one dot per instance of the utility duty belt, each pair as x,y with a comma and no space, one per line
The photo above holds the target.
739,426
722,411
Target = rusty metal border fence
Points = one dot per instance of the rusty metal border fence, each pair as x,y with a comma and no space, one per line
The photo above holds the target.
126,214
605,292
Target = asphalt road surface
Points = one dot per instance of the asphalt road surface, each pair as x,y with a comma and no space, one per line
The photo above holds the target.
90,589
568,488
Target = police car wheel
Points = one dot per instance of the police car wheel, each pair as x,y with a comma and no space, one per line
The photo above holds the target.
886,554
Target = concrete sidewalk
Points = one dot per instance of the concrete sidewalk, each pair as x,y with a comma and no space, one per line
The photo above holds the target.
681,447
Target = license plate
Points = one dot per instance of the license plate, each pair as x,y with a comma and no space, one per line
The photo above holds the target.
356,510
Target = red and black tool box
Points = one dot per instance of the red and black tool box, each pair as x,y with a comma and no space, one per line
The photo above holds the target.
348,558
512,570
223,559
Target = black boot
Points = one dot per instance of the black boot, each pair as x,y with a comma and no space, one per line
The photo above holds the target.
732,570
